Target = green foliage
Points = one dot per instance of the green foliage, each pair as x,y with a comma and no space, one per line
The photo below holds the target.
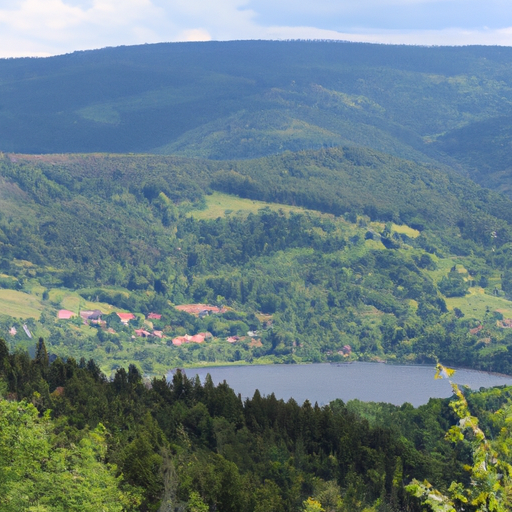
311,505
246,99
453,285
184,443
39,473
319,280
490,473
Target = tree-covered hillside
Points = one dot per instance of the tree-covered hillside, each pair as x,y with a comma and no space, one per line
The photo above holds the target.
392,259
245,99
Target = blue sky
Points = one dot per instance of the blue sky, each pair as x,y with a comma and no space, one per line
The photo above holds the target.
50,27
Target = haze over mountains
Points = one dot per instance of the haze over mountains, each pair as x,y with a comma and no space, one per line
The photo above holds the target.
246,99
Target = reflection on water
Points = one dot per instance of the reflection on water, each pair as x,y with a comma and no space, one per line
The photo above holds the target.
323,383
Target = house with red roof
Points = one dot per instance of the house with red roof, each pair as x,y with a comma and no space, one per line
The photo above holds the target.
197,338
126,317
154,316
180,340
64,314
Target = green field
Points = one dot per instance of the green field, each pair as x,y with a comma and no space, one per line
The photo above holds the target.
444,265
19,304
406,230
477,302
72,301
221,205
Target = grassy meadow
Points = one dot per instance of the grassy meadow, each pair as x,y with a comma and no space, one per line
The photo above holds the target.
221,205
20,304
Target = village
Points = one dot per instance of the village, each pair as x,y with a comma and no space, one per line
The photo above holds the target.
97,317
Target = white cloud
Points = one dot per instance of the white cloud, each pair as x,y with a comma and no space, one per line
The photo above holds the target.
49,27
195,34
38,27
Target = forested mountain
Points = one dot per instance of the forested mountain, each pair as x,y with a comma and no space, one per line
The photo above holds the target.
245,99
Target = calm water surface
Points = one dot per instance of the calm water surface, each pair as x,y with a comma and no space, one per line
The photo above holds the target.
323,383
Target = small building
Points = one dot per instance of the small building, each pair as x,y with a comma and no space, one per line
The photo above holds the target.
180,340
233,339
141,333
197,338
158,334
65,314
13,331
154,316
125,317
94,314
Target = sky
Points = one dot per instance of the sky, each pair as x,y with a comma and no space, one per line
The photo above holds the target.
52,27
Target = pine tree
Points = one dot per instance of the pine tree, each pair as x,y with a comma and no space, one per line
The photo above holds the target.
41,360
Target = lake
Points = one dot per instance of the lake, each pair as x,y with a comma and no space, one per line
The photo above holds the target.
323,383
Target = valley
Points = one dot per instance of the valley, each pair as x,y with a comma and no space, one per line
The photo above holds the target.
190,206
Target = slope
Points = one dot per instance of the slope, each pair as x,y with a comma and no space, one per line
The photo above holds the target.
244,99
387,260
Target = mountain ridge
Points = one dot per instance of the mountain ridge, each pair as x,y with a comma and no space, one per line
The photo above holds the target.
247,99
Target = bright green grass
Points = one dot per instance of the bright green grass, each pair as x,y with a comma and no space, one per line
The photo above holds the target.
220,205
19,305
406,230
443,267
475,304
72,301
398,228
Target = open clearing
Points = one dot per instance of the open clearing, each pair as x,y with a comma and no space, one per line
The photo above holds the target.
475,304
74,302
19,304
406,230
221,205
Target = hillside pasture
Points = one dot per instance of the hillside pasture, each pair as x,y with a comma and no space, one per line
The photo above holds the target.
221,205
20,305
477,303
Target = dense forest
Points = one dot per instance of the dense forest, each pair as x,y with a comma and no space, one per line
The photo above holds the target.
73,440
247,99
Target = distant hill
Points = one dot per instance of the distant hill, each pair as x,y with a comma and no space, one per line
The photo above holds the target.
484,149
247,99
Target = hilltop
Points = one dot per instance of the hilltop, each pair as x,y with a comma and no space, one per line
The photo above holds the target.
247,99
